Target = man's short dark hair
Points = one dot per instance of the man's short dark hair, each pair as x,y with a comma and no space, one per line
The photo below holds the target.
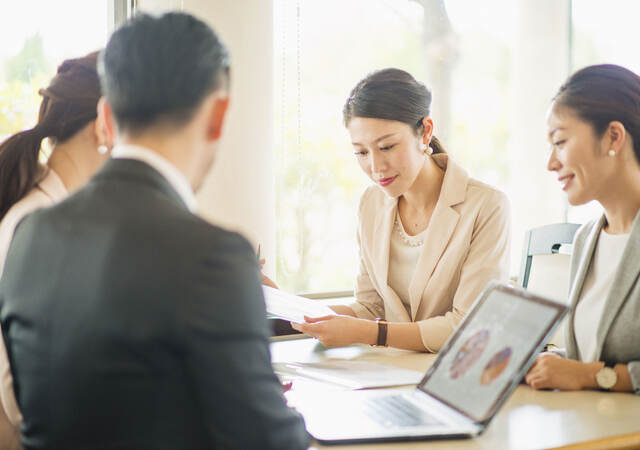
159,70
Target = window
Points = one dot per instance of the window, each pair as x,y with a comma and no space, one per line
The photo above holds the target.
38,37
318,181
603,36
493,68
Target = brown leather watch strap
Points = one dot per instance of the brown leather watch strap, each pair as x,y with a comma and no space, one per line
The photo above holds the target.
382,332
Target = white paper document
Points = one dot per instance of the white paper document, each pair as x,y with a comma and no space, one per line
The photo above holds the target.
292,307
350,374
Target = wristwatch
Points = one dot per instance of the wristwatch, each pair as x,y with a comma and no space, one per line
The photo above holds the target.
606,377
382,333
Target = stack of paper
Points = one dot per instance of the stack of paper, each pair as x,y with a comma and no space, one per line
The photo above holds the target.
350,374
293,307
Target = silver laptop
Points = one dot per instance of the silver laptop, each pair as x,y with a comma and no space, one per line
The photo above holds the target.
475,372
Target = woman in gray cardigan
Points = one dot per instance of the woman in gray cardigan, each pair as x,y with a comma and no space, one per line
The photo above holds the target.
594,131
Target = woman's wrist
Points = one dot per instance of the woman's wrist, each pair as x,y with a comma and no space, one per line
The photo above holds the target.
589,371
369,331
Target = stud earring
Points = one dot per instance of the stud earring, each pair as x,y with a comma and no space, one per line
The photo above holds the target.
612,152
103,149
423,147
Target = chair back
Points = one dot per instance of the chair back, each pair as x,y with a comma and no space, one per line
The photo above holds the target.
553,239
545,264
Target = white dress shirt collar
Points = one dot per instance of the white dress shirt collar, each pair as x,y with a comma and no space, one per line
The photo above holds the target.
173,176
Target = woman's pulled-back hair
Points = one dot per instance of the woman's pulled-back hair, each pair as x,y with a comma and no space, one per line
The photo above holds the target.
602,94
68,104
391,94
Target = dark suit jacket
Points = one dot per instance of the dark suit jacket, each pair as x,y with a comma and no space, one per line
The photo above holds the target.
132,323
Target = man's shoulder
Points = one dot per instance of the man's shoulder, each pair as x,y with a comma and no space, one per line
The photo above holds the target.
192,227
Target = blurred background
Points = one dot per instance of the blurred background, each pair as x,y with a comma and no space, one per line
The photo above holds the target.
493,67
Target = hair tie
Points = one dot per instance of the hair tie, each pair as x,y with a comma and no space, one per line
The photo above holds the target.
41,131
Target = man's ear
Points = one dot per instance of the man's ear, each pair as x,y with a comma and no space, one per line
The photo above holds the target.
105,121
218,113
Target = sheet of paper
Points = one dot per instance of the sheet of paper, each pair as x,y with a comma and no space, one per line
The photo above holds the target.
350,374
292,307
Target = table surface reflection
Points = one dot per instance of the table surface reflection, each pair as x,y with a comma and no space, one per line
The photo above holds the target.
528,420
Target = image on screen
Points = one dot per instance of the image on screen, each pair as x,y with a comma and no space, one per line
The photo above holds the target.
486,357
495,366
469,353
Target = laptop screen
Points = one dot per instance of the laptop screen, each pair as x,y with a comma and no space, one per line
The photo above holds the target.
488,353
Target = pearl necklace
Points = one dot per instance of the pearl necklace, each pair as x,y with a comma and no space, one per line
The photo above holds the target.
411,241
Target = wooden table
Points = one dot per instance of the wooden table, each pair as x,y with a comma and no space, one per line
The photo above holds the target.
528,420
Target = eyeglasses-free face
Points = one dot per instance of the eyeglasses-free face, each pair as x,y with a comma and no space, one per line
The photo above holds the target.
388,152
579,157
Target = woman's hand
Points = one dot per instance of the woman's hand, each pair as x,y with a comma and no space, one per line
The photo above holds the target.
551,371
265,279
339,330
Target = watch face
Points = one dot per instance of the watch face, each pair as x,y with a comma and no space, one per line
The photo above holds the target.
606,377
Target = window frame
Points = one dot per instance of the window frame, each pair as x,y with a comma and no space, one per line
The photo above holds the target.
119,11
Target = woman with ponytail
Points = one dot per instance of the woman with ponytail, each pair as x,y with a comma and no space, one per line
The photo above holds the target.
430,236
68,118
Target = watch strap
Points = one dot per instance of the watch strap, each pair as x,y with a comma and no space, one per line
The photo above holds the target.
382,332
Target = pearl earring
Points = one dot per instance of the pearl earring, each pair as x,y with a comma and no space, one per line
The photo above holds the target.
103,149
423,147
612,152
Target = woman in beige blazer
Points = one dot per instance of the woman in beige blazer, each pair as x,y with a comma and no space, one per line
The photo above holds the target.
430,236
68,116
594,131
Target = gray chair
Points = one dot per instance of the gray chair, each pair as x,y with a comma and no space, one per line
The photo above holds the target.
544,240
545,265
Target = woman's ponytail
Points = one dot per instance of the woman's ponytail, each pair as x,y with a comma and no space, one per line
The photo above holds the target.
19,167
68,104
436,146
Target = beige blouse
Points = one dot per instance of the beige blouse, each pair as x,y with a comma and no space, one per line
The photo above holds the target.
465,246
47,192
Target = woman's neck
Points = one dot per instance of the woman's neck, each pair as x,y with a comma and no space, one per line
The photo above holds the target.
621,203
621,214
425,190
416,206
73,161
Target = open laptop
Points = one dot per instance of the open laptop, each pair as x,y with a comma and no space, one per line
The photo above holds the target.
474,373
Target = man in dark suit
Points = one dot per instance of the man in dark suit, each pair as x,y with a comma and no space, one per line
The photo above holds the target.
130,322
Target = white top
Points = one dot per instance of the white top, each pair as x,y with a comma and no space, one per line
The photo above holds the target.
404,251
595,290
47,192
173,176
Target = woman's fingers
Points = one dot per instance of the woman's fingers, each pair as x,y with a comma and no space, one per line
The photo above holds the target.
318,319
312,329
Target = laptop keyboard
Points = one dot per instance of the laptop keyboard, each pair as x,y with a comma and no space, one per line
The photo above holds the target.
396,411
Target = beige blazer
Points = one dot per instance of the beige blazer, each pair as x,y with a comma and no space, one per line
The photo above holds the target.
466,245
47,192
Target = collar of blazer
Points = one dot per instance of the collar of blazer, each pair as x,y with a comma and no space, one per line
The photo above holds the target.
138,172
624,279
440,228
